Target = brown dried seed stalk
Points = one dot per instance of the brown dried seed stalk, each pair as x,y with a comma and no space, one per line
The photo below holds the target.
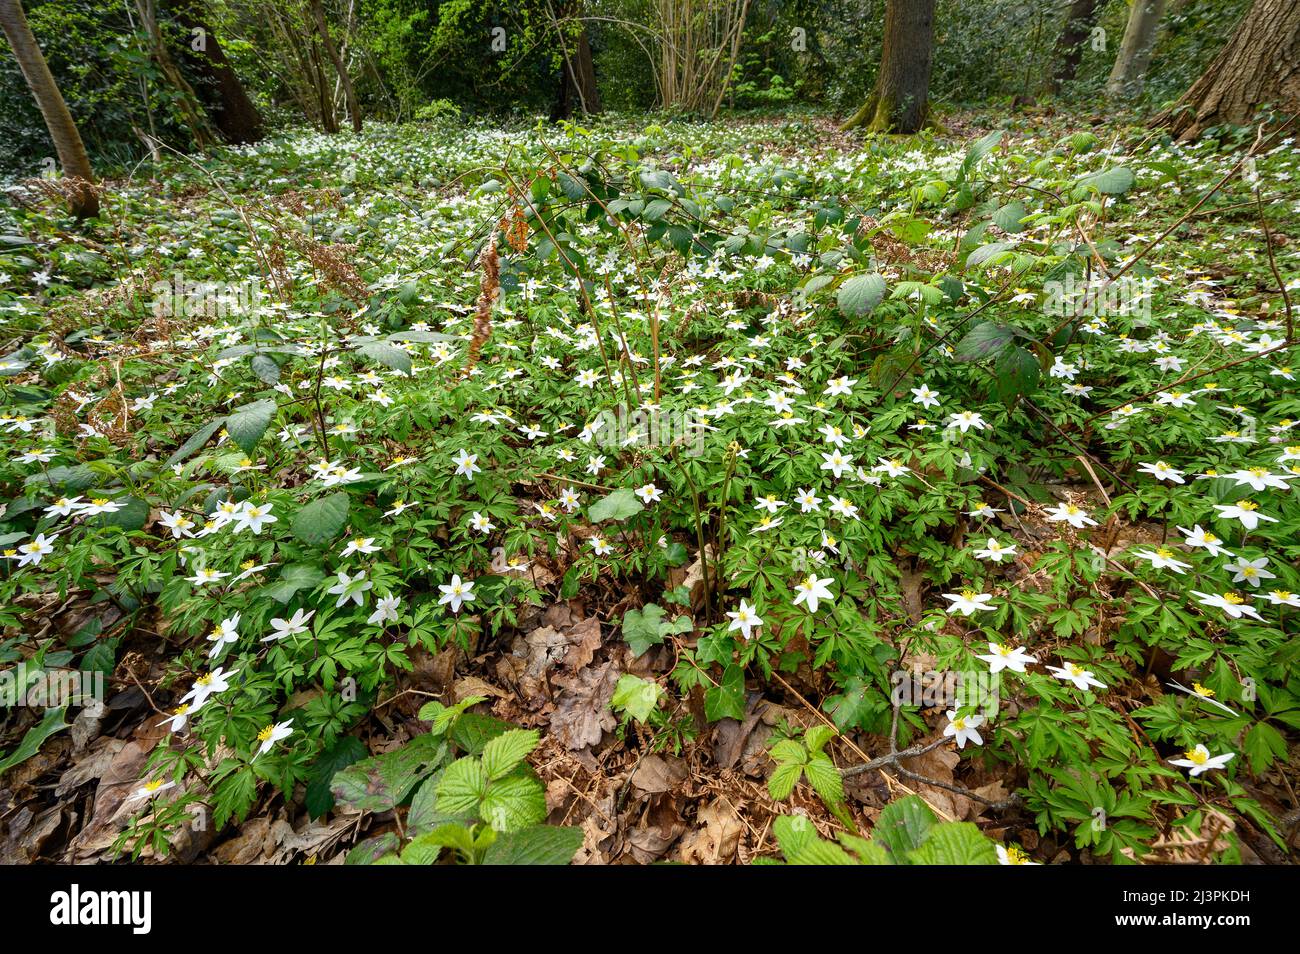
487,296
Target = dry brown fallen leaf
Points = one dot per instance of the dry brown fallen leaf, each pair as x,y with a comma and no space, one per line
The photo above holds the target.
716,840
582,712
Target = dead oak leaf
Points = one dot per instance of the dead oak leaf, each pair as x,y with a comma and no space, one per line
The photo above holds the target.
582,712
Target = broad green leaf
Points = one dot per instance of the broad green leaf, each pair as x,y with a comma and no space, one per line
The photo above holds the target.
825,778
463,785
387,355
793,833
983,341
472,732
371,850
1015,372
513,802
1114,181
423,850
247,424
265,369
297,576
783,780
903,825
50,723
727,699
508,750
1008,217
988,253
643,628
382,783
197,440
860,295
322,520
955,843
536,845
132,516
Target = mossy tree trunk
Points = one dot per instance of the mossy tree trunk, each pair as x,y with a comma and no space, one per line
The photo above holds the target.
1260,65
901,100
84,200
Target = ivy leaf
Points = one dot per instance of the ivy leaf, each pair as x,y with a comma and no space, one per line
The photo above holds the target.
248,423
727,699
860,295
321,521
636,696
848,709
346,751
643,628
618,505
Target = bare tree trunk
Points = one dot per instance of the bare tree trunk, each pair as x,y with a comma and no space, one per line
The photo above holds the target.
1079,21
1130,70
1259,65
582,75
187,101
349,94
698,43
236,118
84,199
577,69
901,101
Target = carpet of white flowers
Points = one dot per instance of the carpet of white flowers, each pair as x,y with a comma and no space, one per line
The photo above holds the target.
700,452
